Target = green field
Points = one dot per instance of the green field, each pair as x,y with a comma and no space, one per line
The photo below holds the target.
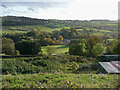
57,80
27,28
17,29
13,31
60,49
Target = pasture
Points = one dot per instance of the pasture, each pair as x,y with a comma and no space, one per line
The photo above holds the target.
60,49
27,28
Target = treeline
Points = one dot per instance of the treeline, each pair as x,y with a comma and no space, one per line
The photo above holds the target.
93,46
81,44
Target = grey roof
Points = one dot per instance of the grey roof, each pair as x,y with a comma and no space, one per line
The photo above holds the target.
110,55
111,67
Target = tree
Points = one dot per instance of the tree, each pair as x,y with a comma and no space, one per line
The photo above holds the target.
28,47
111,46
77,41
15,37
54,39
57,42
8,46
92,41
45,41
34,33
98,49
60,38
116,49
77,49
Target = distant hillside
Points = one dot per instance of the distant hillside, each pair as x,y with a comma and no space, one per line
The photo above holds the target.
18,21
100,20
53,23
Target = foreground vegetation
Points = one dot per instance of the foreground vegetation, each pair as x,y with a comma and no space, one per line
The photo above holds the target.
58,80
64,71
49,64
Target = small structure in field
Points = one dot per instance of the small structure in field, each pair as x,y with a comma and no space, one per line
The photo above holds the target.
112,67
54,54
66,41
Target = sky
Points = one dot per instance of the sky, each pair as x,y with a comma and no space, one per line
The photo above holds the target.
61,9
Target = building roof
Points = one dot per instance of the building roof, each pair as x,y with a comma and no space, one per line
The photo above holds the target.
111,55
111,67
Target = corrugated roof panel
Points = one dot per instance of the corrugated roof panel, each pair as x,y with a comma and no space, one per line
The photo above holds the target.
109,67
118,65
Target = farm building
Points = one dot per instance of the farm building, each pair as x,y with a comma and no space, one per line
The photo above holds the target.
112,67
66,41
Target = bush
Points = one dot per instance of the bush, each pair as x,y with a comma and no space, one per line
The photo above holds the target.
17,52
77,49
75,66
29,65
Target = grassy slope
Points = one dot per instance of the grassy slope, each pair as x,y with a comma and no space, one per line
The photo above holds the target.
59,49
59,75
100,32
45,80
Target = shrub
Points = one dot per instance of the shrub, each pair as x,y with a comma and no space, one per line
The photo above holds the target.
77,49
17,52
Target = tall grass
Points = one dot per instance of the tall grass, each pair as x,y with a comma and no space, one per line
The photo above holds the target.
45,80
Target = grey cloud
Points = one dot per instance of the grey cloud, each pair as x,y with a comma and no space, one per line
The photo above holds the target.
12,11
31,6
37,0
35,4
31,9
4,6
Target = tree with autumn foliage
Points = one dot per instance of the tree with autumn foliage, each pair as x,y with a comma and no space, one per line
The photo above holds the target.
61,38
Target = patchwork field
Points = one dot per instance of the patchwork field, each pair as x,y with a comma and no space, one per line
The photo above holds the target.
25,29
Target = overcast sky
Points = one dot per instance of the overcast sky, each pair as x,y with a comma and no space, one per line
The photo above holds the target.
62,9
